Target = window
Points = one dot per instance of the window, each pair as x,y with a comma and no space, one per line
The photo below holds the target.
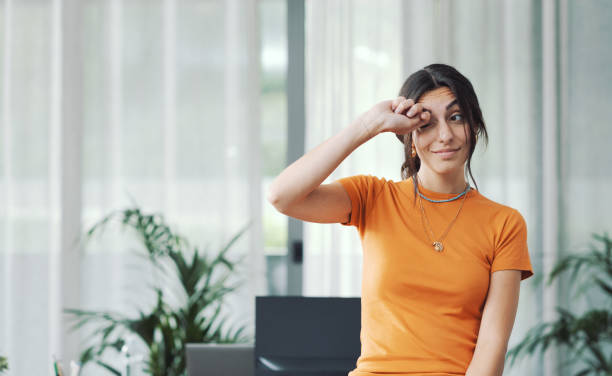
273,27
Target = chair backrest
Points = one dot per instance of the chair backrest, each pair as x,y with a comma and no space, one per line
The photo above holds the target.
293,331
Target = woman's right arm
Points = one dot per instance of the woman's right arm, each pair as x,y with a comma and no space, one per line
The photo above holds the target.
297,191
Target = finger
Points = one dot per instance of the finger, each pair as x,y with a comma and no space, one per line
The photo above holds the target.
407,125
403,106
396,102
414,110
424,117
421,120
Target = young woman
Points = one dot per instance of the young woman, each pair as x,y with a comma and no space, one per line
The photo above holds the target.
442,264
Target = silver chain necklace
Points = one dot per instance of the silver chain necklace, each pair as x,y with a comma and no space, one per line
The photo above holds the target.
437,244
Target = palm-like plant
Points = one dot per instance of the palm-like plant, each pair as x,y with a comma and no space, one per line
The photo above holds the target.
3,364
165,329
586,334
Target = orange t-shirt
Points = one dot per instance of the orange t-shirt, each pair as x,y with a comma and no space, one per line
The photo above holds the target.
421,309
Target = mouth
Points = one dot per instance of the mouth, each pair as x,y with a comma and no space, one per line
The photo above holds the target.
447,152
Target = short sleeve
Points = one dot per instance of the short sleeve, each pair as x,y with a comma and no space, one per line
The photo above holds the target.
362,190
511,250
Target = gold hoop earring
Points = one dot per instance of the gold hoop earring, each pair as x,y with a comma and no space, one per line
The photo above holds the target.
413,154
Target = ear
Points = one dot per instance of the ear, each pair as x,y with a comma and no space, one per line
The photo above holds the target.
414,135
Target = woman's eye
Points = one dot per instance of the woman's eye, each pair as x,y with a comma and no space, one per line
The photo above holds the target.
460,117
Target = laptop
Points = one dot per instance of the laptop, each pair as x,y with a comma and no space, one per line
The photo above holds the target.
204,359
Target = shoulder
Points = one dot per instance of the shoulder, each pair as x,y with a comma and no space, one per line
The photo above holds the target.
502,218
365,183
499,210
366,178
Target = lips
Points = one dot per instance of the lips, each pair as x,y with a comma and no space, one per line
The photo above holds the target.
446,152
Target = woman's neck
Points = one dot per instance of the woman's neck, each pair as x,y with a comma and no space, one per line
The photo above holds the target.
451,183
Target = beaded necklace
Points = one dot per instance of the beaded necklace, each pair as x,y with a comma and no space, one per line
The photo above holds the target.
450,199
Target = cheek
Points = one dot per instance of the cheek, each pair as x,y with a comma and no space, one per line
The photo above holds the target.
422,140
463,138
466,153
466,133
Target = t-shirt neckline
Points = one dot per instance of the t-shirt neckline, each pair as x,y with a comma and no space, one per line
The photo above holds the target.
432,194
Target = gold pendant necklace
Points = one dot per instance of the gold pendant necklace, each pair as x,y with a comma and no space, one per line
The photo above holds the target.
437,244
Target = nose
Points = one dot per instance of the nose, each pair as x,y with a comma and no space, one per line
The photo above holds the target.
445,133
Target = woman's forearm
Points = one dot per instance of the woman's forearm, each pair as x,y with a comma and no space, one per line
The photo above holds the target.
488,360
304,175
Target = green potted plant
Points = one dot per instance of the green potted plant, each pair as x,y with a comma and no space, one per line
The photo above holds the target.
166,328
3,364
586,335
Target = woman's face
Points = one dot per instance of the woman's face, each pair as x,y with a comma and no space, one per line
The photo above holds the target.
447,130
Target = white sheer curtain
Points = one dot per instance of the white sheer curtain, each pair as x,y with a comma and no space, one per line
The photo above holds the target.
108,100
546,155
353,60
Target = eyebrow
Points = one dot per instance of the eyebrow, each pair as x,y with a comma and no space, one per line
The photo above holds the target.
451,104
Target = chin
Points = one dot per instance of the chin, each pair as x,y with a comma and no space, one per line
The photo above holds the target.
448,167
448,170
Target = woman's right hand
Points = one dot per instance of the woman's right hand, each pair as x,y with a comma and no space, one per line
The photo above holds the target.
298,190
400,116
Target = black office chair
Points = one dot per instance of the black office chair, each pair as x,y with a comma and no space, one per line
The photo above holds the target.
306,336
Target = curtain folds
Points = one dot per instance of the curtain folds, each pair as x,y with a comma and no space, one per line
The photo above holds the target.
106,104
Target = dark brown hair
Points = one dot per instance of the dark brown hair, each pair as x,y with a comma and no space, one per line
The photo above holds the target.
430,78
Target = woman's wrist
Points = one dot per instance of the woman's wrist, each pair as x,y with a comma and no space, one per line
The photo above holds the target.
368,125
